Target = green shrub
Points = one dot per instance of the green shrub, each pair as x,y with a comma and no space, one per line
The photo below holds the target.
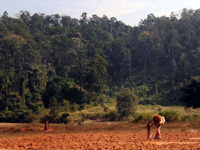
105,108
186,119
77,118
66,106
143,118
82,118
95,116
171,116
113,115
193,118
81,107
64,118
126,103
74,107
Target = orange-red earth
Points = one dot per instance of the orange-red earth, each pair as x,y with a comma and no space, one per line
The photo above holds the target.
100,136
100,141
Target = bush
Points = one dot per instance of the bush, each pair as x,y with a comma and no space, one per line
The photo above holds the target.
193,118
171,116
74,107
82,118
126,103
17,113
94,116
66,106
143,118
77,118
113,115
64,118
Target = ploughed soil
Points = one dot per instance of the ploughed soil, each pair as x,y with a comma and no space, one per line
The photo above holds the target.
98,136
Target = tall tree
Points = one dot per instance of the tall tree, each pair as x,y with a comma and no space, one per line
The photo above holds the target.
96,76
191,93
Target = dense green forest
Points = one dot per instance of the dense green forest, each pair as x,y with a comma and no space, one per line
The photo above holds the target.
59,63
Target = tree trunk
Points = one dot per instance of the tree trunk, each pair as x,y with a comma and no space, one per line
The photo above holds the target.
46,127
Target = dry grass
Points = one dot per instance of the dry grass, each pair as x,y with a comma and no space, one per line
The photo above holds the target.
98,112
154,109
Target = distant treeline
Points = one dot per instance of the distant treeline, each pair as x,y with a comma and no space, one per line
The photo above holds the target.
53,60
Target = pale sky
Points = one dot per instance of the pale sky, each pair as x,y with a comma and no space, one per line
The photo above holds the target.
128,11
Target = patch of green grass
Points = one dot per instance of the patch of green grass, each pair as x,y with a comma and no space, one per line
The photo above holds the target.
92,112
143,112
156,109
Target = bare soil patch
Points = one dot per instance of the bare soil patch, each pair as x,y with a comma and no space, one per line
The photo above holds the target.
97,136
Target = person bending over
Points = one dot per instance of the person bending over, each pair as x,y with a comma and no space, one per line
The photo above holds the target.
157,121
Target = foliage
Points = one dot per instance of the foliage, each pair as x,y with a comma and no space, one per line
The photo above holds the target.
126,103
194,118
55,88
143,118
76,95
64,118
53,59
191,93
66,106
171,116
113,115
96,74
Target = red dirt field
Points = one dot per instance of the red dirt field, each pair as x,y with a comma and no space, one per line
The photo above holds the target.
98,136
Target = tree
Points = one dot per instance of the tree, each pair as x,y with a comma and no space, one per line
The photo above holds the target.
84,19
126,103
25,16
13,56
5,15
119,58
67,21
55,89
191,93
37,23
96,76
14,47
3,30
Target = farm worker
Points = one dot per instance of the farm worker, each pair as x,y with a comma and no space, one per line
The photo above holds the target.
157,121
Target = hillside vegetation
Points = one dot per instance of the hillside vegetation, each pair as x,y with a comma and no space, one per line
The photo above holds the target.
52,66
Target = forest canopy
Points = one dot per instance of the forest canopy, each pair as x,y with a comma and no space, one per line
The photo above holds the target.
57,61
